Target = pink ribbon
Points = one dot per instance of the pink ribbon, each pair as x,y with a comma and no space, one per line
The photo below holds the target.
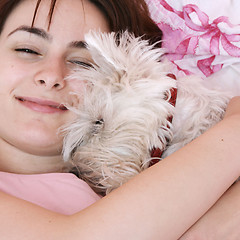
210,31
206,66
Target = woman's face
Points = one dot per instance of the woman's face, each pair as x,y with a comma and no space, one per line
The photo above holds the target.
34,62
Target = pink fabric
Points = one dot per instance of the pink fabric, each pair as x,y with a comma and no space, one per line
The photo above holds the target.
60,192
200,37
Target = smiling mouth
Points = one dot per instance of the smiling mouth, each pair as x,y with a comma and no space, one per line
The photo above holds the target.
39,105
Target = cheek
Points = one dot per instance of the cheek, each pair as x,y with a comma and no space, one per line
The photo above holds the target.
11,75
76,85
77,89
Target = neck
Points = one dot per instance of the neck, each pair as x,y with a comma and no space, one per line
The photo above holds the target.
16,161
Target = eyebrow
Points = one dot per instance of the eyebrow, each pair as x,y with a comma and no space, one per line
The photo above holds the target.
43,34
78,44
37,31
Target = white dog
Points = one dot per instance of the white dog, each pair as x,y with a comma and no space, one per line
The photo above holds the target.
126,110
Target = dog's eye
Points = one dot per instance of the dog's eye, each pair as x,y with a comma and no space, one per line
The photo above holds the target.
98,126
99,122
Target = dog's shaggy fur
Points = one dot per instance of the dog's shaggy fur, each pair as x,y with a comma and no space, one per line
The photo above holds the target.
125,110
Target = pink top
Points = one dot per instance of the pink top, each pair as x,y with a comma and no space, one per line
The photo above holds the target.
60,192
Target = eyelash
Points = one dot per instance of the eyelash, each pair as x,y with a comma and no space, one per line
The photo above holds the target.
82,64
76,62
26,50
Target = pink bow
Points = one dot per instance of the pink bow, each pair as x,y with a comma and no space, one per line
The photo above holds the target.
212,31
207,31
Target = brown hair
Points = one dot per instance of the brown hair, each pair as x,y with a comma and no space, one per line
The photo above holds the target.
6,7
131,15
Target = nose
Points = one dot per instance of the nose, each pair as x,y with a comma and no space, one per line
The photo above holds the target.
51,76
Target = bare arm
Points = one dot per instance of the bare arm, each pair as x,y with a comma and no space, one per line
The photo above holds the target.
170,195
222,221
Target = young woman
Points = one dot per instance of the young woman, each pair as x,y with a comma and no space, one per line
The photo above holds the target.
37,52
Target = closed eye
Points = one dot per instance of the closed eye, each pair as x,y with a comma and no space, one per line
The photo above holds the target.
82,64
27,50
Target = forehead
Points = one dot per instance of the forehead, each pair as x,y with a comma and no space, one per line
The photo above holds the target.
70,16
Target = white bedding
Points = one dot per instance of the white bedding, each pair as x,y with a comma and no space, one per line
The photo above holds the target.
201,37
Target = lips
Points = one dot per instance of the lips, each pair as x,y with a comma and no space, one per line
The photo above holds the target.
41,105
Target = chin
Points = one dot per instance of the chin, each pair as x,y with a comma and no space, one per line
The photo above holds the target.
41,143
42,149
